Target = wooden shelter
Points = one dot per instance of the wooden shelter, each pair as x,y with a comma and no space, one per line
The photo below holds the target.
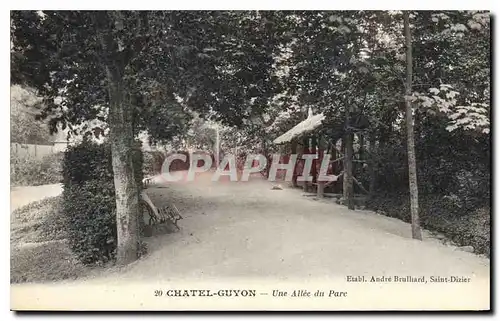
310,124
305,134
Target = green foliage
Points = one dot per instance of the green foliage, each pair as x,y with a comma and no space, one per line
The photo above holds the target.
453,162
24,128
153,162
27,170
90,210
442,215
474,229
85,162
454,176
391,168
169,60
259,71
90,161
89,203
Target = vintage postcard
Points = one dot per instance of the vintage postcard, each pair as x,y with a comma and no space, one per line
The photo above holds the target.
250,160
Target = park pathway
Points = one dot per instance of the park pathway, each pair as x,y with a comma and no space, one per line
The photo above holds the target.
235,229
235,232
23,195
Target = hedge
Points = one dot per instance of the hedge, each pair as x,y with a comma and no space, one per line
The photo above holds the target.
90,161
89,203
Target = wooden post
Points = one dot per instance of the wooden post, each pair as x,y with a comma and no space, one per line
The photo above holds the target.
321,189
313,151
306,151
294,151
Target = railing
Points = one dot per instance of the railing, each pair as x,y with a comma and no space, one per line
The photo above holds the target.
34,150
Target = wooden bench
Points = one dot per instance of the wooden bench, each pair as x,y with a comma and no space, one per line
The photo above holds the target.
152,215
146,181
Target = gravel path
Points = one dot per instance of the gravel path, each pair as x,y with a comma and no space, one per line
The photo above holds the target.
23,195
244,231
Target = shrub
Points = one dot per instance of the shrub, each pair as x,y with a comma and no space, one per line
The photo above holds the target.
85,162
472,229
90,210
454,177
26,170
443,215
90,161
153,162
89,203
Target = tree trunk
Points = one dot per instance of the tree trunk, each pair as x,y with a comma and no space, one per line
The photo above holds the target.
126,190
344,181
361,147
371,163
268,157
120,122
348,179
412,166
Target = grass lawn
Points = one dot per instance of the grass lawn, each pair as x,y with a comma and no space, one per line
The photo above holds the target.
39,252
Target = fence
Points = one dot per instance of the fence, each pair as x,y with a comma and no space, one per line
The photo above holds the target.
35,151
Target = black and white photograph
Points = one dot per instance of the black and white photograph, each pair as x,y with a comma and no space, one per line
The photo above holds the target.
250,160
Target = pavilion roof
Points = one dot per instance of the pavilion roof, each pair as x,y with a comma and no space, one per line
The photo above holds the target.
305,126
